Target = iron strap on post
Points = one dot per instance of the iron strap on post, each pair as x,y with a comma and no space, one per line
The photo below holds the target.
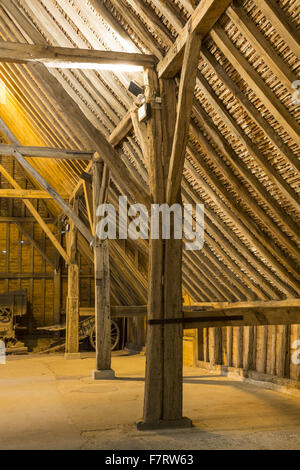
165,321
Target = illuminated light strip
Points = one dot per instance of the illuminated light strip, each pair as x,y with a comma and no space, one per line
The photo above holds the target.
93,66
2,93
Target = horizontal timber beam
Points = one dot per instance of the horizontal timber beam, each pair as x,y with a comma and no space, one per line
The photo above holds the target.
65,57
45,152
212,314
24,220
203,19
24,194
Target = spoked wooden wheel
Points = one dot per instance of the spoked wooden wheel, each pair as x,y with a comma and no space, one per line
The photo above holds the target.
115,336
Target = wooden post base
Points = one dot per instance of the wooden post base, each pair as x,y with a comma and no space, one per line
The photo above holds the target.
103,374
70,356
164,424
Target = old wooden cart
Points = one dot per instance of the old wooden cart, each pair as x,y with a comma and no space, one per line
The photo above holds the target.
87,330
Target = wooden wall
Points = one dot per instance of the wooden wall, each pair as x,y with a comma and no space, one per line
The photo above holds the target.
264,349
23,267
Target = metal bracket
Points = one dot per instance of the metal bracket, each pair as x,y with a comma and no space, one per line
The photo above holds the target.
170,321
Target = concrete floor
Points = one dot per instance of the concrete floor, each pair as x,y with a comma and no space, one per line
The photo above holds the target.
47,402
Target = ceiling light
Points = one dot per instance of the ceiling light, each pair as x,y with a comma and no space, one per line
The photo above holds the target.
2,93
135,89
93,66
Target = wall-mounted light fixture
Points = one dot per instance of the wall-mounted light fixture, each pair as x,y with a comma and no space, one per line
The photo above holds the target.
135,89
144,112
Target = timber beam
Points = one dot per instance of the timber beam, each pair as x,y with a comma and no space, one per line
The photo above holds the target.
24,194
46,152
203,19
218,314
65,57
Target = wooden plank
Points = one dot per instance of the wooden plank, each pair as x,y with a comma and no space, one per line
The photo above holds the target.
203,19
45,152
24,194
65,57
185,103
36,215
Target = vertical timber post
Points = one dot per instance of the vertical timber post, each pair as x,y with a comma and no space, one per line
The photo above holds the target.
72,309
103,369
164,361
57,281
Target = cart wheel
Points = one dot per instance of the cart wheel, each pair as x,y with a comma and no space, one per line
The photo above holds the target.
115,336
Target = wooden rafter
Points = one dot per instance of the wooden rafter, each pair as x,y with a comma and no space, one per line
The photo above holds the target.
184,108
63,57
203,19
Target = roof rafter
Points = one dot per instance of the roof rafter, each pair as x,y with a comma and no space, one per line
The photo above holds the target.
203,19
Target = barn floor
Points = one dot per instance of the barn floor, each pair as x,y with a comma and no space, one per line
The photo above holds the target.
50,403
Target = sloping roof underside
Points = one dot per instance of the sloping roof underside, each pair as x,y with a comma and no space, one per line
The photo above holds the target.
242,159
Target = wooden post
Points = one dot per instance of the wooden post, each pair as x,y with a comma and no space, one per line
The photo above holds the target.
229,347
216,346
239,346
283,351
57,281
249,349
72,309
102,283
164,365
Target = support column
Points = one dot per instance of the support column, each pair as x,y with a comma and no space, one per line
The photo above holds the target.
102,282
164,361
72,309
57,281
